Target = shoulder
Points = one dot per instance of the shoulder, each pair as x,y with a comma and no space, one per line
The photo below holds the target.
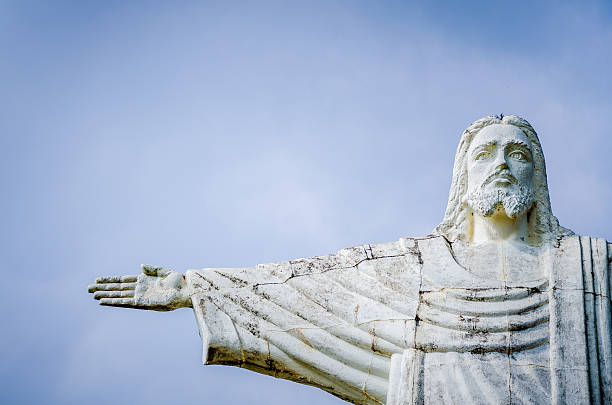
354,256
408,246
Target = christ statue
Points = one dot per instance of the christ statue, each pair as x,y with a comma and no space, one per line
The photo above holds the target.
498,305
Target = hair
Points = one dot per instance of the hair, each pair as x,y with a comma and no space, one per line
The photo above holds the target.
457,223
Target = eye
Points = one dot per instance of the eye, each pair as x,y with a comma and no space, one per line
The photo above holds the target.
518,155
482,155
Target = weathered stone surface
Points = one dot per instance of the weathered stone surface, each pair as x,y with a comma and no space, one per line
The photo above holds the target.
500,305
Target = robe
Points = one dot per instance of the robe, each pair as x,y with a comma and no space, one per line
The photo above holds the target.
405,323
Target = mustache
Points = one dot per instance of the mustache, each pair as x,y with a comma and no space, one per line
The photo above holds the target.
500,173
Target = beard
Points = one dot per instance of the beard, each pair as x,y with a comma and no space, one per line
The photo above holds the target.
515,201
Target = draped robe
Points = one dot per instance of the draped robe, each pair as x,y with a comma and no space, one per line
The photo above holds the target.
405,323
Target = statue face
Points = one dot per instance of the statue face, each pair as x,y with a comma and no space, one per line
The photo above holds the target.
500,171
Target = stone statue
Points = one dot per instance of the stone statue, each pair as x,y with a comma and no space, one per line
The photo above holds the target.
499,305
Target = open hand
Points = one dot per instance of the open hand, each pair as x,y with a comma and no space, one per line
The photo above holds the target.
156,288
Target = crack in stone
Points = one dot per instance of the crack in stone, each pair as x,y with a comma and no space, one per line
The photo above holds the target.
324,271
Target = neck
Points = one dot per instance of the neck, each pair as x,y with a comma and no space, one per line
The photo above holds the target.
499,227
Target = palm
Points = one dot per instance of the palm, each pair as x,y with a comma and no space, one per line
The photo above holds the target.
155,288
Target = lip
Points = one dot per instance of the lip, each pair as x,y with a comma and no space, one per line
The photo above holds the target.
502,178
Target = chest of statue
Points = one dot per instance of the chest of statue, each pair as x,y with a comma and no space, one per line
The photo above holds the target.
482,322
480,300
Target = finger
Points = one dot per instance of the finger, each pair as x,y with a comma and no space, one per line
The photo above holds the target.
117,302
117,279
155,271
111,287
113,294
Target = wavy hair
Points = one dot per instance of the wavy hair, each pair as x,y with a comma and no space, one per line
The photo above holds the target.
457,223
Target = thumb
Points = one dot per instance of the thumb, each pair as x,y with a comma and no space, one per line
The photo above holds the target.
155,271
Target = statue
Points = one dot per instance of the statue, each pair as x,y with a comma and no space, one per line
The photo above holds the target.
499,305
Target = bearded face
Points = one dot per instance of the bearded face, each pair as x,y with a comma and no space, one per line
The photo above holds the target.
500,172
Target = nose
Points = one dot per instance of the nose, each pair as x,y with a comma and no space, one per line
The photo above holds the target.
500,161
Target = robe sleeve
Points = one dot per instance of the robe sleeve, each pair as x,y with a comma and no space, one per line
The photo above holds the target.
602,259
329,321
597,277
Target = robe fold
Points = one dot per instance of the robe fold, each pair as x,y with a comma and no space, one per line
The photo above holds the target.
389,323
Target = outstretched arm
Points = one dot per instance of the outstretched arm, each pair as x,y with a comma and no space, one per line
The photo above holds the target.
156,288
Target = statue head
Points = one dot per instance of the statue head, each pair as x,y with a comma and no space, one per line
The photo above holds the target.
500,172
499,169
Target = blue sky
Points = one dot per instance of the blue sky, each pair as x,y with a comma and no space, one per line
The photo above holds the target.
203,134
